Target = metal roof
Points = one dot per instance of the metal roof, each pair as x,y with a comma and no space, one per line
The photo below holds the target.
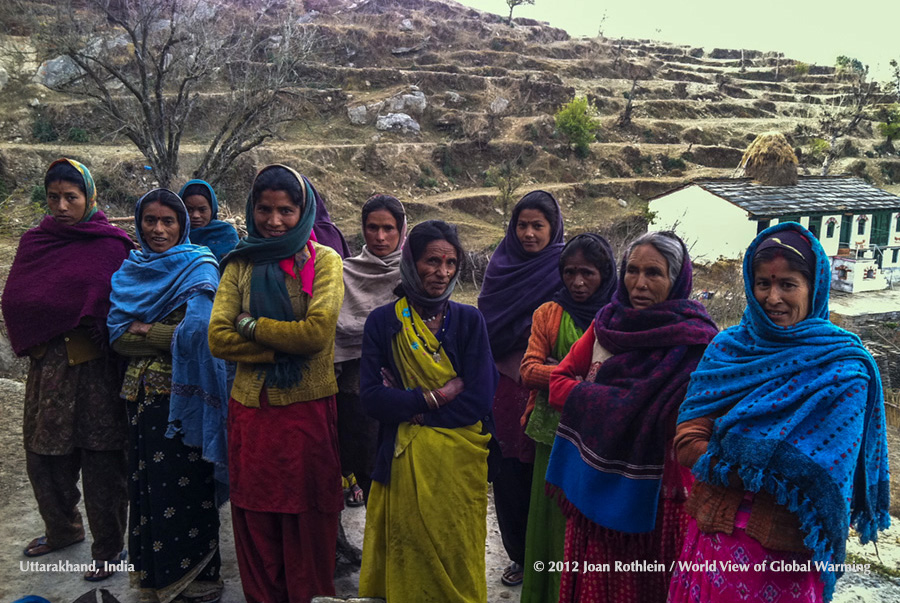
811,195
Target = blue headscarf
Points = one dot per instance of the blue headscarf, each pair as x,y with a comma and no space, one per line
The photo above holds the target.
803,416
219,236
148,287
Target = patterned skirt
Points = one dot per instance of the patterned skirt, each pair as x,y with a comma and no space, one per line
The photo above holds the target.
173,523
711,555
608,565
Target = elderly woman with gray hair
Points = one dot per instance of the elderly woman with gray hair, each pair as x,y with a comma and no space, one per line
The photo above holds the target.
613,465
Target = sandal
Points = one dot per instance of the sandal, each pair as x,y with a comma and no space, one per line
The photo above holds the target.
102,571
39,546
513,575
353,494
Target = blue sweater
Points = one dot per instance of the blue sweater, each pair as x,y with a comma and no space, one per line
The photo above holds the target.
466,343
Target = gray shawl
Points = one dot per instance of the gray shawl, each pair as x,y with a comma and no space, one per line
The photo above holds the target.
369,282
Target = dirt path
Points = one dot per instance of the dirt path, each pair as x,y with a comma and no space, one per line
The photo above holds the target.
19,522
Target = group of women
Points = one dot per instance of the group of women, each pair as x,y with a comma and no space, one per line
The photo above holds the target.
622,432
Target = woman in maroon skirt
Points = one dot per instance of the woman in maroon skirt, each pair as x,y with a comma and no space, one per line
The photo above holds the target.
275,315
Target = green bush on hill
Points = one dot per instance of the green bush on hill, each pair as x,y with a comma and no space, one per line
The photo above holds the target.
577,121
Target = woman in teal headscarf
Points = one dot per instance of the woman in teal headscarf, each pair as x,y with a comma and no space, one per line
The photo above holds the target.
203,210
275,315
55,305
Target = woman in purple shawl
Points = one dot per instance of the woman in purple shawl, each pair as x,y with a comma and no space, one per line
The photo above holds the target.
324,230
523,274
55,305
613,464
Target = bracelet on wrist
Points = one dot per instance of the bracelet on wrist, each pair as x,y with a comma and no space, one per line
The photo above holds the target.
246,326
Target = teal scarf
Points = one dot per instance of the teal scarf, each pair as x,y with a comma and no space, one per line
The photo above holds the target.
268,293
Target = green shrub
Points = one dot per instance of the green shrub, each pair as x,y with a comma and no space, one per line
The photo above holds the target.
817,148
38,195
801,68
43,130
889,125
448,167
577,121
673,163
427,182
78,135
507,177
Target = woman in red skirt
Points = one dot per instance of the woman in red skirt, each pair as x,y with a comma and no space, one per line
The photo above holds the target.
275,315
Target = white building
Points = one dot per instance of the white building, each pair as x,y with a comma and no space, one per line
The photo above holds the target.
718,218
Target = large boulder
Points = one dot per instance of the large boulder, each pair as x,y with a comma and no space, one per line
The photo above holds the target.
410,102
358,115
499,105
57,72
398,122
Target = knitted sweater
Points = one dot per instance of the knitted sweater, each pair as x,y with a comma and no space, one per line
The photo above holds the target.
535,370
311,335
466,343
715,507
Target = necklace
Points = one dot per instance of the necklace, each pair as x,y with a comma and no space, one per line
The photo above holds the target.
435,354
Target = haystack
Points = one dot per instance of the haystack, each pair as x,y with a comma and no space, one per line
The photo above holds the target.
770,160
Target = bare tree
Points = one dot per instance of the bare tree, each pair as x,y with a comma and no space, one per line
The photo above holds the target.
635,73
507,177
512,4
841,117
150,65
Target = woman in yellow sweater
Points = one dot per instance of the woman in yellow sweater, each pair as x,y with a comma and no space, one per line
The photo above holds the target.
275,315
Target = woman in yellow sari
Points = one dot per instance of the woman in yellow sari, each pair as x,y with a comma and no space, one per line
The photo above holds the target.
427,376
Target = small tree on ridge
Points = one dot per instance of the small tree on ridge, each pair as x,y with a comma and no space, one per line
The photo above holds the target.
514,3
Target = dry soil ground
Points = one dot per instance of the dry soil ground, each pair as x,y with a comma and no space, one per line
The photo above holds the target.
19,522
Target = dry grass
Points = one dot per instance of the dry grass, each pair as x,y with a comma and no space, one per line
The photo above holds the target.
770,160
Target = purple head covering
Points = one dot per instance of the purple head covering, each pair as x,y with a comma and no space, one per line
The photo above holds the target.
517,282
583,313
60,276
626,417
791,242
324,229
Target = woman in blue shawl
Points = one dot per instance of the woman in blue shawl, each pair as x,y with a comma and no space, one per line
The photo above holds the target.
203,210
784,426
175,395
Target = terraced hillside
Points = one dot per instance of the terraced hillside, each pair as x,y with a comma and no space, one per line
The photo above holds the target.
482,94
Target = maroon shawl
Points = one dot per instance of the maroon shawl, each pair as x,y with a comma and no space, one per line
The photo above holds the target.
61,275
609,453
